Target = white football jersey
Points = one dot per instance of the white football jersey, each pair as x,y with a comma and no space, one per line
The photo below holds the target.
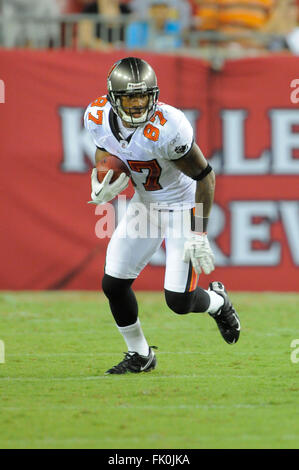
148,152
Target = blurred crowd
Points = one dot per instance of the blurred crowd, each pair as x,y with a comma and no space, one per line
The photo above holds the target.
160,25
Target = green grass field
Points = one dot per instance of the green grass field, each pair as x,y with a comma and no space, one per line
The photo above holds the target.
203,394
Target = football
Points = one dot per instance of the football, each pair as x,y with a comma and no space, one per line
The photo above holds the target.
111,162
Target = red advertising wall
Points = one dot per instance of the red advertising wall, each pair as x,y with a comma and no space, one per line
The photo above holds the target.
246,120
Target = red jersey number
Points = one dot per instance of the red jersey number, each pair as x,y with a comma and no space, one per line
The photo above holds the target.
154,172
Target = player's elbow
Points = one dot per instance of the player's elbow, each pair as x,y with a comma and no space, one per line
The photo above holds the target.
211,180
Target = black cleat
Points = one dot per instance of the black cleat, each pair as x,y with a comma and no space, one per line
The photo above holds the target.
134,362
226,318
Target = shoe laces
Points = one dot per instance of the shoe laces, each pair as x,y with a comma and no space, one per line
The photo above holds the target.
227,314
132,358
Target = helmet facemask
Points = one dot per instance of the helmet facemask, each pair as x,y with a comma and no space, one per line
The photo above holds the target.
126,115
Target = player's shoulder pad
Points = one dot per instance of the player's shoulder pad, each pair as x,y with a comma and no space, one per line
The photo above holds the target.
93,115
178,132
175,119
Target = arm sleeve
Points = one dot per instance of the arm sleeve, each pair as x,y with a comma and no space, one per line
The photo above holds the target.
92,128
181,139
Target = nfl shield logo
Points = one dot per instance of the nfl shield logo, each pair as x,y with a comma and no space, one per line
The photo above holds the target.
124,144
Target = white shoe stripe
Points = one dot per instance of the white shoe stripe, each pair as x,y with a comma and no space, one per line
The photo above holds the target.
148,362
238,329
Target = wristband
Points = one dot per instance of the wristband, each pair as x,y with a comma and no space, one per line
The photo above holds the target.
200,224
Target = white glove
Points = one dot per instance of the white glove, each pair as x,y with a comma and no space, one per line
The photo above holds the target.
104,191
198,250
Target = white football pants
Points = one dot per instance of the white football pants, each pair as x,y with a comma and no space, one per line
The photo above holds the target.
140,233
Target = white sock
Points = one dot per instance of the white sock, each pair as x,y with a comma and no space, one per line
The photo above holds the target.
134,338
216,301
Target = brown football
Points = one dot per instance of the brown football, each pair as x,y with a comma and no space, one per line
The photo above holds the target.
111,162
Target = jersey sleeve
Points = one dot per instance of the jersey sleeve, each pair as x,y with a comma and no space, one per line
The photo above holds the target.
181,137
92,128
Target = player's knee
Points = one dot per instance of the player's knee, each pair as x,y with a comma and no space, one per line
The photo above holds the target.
108,286
197,300
178,302
113,286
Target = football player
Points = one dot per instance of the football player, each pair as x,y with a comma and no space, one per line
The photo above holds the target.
169,171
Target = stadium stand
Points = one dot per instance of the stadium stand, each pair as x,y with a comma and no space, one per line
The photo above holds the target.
163,31
240,18
211,29
38,32
107,34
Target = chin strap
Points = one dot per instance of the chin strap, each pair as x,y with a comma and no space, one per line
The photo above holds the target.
134,121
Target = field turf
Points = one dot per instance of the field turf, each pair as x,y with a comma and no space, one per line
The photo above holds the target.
203,394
